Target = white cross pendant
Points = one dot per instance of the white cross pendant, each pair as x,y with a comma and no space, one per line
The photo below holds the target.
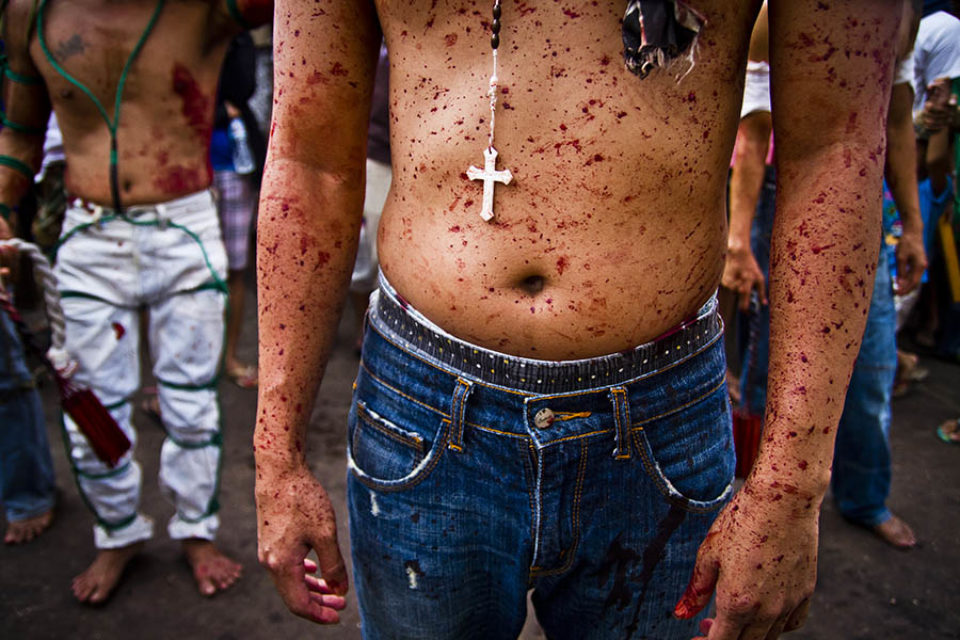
490,176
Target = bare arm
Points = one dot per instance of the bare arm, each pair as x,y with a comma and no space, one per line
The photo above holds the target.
830,113
741,272
901,173
27,109
309,222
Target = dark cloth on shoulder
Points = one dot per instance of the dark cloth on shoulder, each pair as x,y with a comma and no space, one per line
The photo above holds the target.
656,32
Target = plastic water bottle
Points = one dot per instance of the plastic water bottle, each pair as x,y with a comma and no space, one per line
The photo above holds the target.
239,148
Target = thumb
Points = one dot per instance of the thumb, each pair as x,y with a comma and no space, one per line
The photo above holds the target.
699,590
332,568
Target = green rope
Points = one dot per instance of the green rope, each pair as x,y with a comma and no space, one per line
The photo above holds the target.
17,165
20,77
21,128
236,15
114,124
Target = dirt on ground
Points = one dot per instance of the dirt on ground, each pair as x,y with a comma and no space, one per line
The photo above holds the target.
866,589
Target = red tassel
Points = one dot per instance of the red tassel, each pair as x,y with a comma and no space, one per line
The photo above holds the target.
103,433
747,431
106,438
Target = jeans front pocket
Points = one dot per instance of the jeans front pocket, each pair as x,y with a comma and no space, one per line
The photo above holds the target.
393,443
688,452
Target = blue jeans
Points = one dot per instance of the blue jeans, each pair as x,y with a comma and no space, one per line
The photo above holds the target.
474,477
27,485
861,462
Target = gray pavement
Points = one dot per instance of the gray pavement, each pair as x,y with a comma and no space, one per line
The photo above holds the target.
865,589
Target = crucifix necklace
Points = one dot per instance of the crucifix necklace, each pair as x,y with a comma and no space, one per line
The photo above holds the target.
489,173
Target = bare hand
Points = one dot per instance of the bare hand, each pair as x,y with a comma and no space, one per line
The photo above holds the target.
940,107
760,557
294,516
742,274
911,261
9,256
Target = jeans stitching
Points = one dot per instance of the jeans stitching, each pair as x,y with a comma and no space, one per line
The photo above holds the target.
570,551
368,419
530,482
656,474
639,425
620,403
379,485
404,395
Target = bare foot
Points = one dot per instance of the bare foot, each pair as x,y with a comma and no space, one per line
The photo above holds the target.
25,530
896,533
95,585
212,570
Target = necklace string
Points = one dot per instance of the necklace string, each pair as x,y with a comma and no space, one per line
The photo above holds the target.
492,91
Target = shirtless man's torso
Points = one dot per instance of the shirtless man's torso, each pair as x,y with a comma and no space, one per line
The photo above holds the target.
133,84
85,56
611,234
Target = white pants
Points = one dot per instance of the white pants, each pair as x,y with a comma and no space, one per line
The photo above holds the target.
170,259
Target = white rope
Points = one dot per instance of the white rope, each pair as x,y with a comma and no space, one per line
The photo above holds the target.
57,354
492,93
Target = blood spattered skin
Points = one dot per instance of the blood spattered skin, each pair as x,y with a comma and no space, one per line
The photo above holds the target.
612,231
167,101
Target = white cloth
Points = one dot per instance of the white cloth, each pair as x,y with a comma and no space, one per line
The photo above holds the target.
756,88
52,146
905,72
165,257
379,177
936,53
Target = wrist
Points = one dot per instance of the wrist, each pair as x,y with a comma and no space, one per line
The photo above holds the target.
805,482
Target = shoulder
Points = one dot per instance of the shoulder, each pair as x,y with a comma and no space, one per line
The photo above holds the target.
18,17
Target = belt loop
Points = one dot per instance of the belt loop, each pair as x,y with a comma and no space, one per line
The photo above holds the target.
457,412
621,417
162,219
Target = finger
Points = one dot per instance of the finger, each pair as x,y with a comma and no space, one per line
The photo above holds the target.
329,601
723,628
320,613
798,617
744,300
762,289
309,565
776,628
290,582
699,591
317,585
705,625
332,568
756,630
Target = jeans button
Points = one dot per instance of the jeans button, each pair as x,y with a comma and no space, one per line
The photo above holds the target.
544,418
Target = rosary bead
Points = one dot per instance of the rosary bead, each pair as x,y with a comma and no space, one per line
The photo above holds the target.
495,27
495,41
496,11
